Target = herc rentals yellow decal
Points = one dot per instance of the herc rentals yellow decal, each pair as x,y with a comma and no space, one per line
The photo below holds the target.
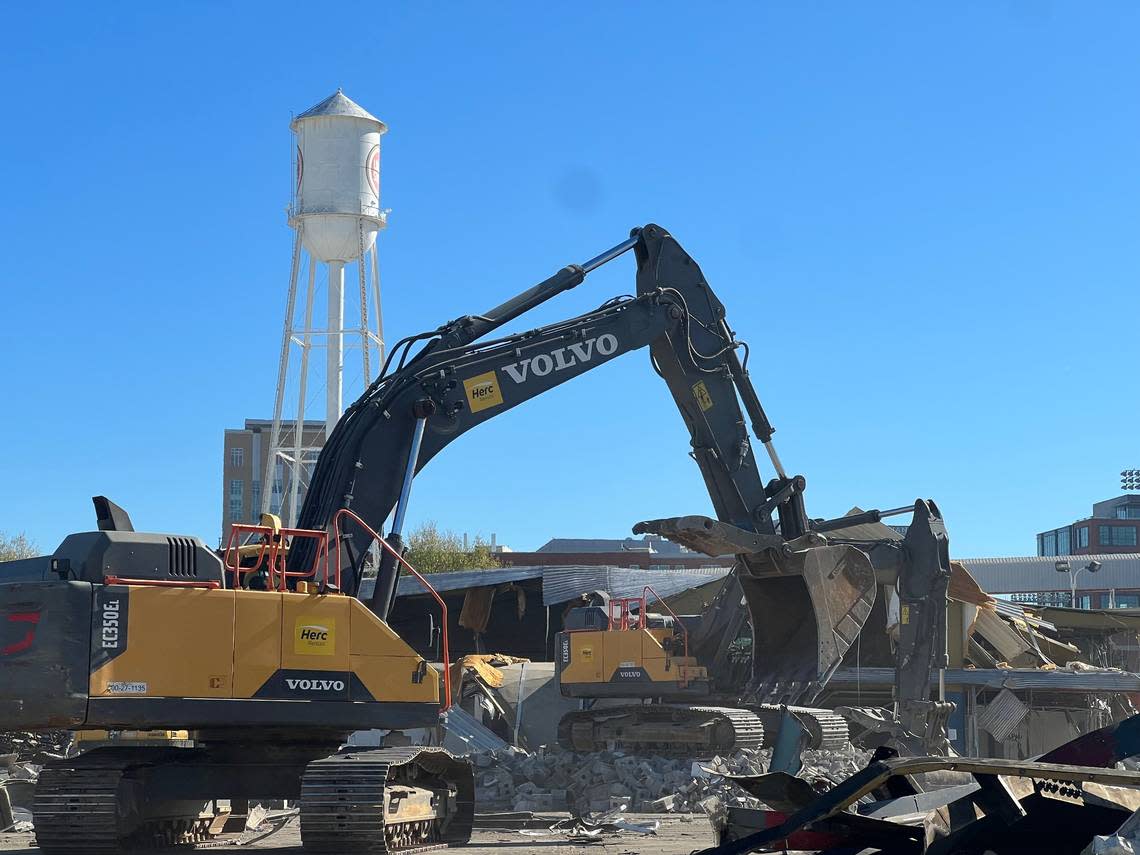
483,391
314,636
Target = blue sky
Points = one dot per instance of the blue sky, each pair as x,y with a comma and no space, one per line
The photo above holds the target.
923,219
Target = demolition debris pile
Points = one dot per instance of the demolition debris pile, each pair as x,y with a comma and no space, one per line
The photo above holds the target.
607,780
27,747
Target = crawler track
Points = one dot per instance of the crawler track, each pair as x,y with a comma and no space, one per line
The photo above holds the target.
378,801
668,729
827,729
97,803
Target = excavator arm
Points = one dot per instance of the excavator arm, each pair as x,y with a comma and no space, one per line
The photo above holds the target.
807,596
455,383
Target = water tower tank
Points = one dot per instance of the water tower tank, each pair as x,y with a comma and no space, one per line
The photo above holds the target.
338,178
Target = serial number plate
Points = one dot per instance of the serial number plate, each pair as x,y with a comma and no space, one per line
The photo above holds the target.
121,688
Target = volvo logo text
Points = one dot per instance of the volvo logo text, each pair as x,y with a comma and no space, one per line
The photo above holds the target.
562,358
315,685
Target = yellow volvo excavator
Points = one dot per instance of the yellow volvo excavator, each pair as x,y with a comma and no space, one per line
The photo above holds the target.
271,657
269,668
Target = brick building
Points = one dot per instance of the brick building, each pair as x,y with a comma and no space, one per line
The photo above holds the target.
245,452
1112,528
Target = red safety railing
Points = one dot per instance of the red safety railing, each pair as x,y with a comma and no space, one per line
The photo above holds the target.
676,620
619,612
427,586
622,615
274,544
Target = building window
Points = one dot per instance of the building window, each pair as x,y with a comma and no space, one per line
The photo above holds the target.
1063,542
237,488
1117,535
235,510
237,457
1083,537
1049,543
1128,512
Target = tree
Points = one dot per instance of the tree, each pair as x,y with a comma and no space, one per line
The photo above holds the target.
16,546
431,550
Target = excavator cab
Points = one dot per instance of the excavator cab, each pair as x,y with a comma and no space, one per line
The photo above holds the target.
621,649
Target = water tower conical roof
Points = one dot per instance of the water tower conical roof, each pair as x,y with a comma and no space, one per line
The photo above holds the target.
338,104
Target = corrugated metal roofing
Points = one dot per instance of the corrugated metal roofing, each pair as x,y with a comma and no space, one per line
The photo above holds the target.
1039,573
648,543
1003,715
463,735
560,584
1012,610
999,678
409,586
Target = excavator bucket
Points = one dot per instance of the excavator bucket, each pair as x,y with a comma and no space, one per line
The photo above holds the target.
808,605
807,600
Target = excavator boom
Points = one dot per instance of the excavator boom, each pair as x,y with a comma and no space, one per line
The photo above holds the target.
807,597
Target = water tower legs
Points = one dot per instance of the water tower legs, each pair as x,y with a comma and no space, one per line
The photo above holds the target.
335,370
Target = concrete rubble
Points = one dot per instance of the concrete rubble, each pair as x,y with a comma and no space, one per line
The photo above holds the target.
18,776
26,747
555,780
591,829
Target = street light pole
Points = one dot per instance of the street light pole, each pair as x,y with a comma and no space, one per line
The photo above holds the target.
1065,567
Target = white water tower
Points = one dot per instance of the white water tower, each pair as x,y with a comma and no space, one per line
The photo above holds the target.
336,215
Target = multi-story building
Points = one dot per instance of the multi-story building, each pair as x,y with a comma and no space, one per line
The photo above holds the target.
1112,528
244,456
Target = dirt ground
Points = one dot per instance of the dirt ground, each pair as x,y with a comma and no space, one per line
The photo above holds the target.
675,837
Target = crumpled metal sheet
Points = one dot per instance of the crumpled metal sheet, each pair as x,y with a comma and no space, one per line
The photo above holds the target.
464,735
1003,715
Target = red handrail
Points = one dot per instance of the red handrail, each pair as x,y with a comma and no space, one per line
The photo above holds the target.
622,604
403,563
271,548
673,614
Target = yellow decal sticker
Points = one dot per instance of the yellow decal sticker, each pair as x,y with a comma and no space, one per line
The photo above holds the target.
314,636
483,391
587,654
704,399
904,614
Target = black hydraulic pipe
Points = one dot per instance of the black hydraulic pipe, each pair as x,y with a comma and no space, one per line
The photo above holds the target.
858,519
387,574
570,276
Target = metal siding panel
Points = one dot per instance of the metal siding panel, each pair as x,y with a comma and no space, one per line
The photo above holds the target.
1060,680
1038,573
